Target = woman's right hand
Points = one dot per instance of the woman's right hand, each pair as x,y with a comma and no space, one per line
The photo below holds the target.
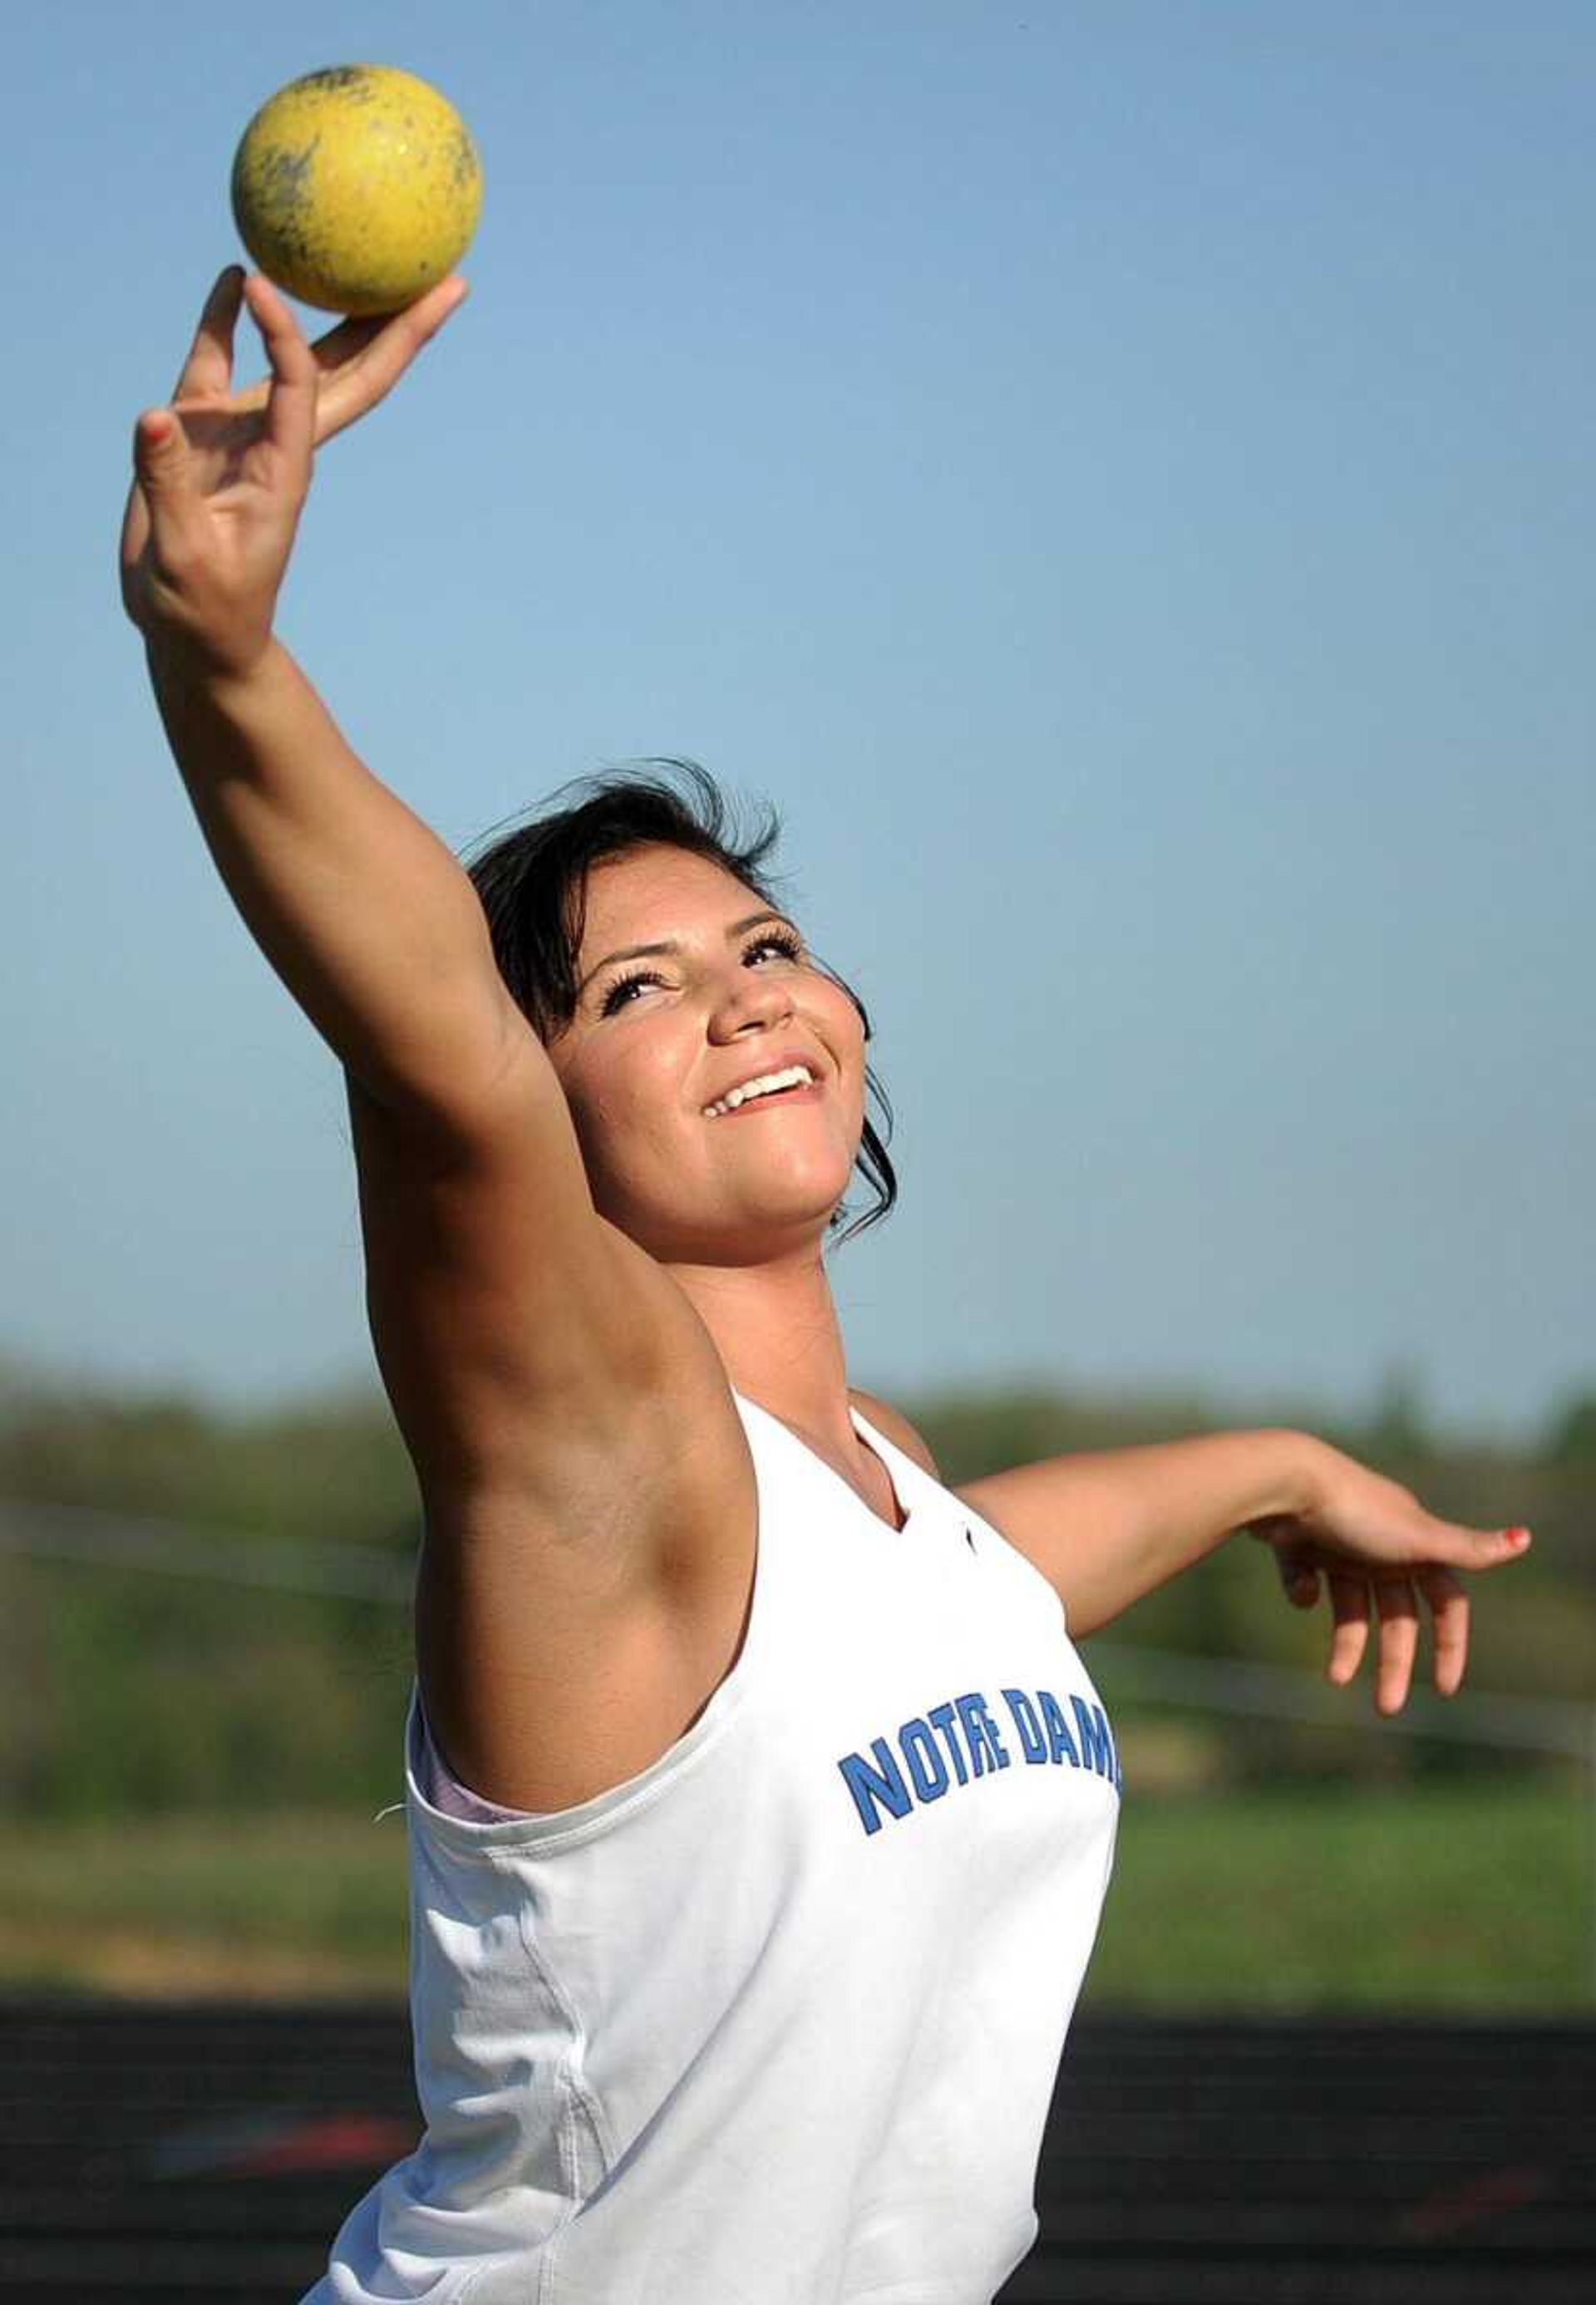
220,477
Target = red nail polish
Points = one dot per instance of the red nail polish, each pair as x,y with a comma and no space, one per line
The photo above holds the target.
1516,1536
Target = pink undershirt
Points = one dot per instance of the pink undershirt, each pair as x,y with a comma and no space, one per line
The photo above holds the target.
445,1791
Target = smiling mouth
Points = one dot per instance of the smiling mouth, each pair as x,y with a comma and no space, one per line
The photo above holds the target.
753,1091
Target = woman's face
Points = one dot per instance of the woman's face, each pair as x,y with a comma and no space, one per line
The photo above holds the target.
692,990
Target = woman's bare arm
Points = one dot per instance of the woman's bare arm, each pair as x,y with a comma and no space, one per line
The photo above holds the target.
1107,1528
369,921
542,1369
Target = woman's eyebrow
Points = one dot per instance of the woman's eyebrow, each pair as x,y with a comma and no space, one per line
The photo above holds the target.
626,952
741,928
670,945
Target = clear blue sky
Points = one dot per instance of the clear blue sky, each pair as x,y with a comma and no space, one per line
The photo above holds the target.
1119,476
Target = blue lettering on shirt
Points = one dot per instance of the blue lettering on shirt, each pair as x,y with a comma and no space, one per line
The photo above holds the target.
927,1770
1061,1745
883,1785
988,1729
1032,1743
981,1733
911,1770
1097,1747
940,1717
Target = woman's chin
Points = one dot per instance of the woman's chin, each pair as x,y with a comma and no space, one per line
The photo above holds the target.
773,1230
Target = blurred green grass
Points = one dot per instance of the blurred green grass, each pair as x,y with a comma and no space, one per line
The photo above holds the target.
1475,1897
260,1906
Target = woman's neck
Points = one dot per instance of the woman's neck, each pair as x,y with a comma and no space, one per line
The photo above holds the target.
776,1329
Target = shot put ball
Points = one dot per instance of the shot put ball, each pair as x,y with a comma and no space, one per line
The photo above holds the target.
356,188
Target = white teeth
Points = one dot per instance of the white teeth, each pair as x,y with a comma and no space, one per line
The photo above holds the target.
767,1084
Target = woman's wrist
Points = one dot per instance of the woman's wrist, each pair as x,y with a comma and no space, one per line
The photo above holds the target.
181,666
1299,1464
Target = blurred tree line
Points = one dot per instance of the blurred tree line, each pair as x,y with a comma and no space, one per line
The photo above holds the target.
136,1688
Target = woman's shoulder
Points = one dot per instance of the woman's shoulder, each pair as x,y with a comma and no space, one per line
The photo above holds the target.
896,1428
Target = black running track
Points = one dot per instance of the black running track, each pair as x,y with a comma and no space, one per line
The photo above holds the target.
179,2152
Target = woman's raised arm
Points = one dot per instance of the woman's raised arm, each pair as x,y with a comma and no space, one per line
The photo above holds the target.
542,1368
366,916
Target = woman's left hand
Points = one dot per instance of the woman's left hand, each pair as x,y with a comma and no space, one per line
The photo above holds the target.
1380,1555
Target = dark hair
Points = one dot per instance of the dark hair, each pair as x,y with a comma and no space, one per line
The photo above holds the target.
532,882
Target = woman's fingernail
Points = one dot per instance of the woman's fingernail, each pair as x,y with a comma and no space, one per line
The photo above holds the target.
1517,1536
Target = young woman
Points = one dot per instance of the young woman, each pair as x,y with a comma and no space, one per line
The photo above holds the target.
761,1806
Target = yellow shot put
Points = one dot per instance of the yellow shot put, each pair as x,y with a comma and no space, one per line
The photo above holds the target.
357,188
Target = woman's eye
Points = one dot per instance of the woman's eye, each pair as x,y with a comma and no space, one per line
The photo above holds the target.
783,942
619,995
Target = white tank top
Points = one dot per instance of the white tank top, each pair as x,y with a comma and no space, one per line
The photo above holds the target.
777,2021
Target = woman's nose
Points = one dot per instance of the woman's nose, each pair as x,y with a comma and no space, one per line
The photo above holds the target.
754,1000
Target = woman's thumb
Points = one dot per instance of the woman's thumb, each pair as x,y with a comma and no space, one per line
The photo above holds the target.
160,453
1483,1548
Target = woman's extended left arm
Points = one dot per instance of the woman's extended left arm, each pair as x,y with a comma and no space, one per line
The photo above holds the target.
1106,1529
